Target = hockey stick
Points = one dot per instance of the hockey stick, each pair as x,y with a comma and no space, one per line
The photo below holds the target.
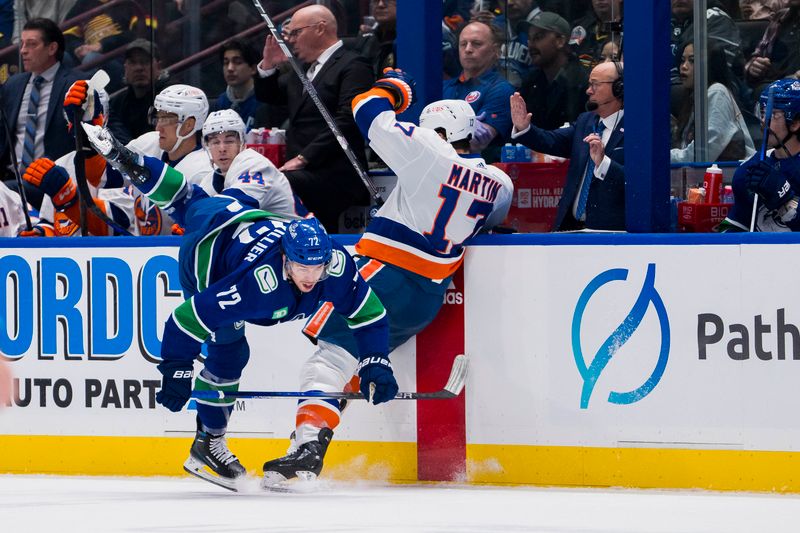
453,387
763,152
15,164
312,92
96,83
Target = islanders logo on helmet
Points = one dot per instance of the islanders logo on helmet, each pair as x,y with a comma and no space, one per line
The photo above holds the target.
306,242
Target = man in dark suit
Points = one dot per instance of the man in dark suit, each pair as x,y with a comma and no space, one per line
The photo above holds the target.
318,169
594,194
33,102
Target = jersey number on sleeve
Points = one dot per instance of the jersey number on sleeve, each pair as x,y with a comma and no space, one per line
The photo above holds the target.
408,131
233,297
252,176
478,209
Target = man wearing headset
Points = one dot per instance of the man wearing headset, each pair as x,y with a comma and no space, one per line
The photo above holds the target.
594,193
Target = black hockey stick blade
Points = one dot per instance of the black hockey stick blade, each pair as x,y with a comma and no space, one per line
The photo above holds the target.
453,387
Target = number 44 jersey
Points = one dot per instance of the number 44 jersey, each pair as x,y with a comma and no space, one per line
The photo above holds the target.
442,199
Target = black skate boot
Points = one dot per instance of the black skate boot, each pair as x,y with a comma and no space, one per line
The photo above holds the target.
211,460
305,462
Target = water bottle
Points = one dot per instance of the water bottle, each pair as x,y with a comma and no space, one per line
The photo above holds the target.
727,195
508,154
712,182
523,154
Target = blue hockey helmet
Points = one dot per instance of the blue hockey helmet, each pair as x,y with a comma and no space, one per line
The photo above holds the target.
306,242
786,97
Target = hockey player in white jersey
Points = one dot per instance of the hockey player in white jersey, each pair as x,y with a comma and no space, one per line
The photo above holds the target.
178,115
242,172
409,252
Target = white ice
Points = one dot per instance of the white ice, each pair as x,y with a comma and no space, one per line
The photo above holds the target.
49,503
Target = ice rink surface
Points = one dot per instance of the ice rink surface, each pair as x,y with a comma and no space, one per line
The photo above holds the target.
88,504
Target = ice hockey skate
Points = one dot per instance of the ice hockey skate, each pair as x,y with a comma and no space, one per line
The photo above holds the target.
211,460
304,463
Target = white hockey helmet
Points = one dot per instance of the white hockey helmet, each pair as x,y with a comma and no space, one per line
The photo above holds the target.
455,117
185,101
223,120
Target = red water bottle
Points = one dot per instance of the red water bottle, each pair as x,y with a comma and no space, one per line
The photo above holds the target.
712,182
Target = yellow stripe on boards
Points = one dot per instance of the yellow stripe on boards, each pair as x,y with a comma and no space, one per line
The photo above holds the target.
164,456
743,470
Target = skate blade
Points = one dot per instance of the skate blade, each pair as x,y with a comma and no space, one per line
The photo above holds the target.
201,470
276,482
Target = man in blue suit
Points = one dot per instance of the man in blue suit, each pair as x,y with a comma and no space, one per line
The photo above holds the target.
32,101
594,194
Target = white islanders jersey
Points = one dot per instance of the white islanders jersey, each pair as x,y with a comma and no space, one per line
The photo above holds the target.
254,176
196,166
441,199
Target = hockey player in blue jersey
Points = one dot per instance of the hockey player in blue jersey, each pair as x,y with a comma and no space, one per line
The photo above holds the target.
444,196
241,264
776,179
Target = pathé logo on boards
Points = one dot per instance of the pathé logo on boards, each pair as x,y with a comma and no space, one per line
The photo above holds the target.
590,373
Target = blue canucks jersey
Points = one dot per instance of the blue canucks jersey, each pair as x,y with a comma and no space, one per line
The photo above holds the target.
232,271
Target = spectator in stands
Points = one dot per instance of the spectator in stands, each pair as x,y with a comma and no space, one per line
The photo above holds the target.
594,193
318,169
32,102
25,10
143,80
776,54
728,135
377,44
481,85
611,51
721,30
89,40
759,9
239,61
592,32
515,61
555,92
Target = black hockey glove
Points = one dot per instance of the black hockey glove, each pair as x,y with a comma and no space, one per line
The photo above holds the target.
176,385
377,370
772,186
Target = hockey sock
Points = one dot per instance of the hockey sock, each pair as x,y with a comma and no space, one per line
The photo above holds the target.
214,414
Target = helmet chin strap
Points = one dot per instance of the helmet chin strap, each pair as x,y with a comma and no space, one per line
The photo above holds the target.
782,143
180,138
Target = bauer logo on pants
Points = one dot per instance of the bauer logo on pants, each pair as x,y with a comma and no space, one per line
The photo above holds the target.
590,373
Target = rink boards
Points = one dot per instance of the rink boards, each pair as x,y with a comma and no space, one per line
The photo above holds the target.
601,360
